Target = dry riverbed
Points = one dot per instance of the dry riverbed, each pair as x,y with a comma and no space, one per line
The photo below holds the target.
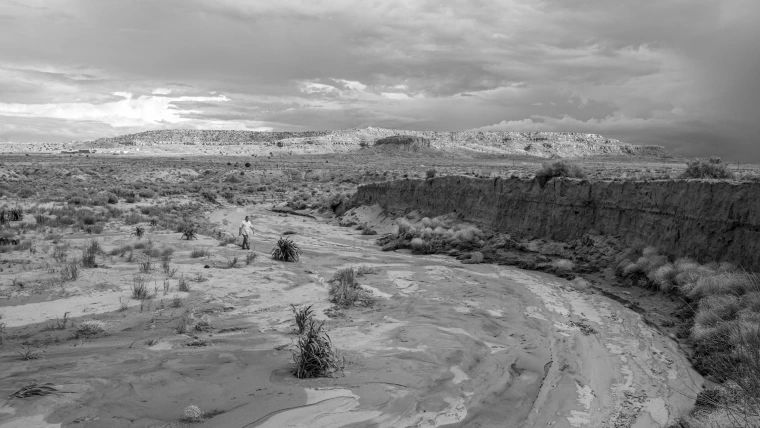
445,344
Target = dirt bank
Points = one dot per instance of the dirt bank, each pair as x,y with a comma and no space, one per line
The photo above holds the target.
707,220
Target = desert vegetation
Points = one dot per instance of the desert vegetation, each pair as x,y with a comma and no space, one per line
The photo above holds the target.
345,290
723,303
286,250
559,169
430,236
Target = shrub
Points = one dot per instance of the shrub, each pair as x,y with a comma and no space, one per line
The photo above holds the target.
90,252
70,271
139,288
559,169
192,413
183,285
345,291
430,173
314,355
138,232
188,232
711,168
250,258
233,262
90,327
132,219
366,270
199,252
286,250
475,258
663,277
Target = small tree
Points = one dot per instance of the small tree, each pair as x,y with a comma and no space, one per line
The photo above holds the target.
707,168
559,169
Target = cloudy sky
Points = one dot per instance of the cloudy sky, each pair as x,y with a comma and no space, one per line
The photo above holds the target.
680,73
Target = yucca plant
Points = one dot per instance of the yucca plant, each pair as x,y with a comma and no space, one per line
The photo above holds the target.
286,250
314,355
302,315
138,232
189,233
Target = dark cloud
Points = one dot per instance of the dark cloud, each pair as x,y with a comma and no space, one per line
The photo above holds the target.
671,72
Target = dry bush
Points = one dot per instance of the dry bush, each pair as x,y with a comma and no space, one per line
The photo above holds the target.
366,270
663,277
563,265
735,283
710,168
91,327
559,169
476,257
345,291
199,252
192,414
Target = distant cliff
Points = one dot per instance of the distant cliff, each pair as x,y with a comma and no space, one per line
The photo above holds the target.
540,144
710,221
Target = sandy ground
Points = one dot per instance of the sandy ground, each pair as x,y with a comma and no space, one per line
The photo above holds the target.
446,344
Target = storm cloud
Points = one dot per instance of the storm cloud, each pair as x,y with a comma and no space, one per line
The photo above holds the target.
677,73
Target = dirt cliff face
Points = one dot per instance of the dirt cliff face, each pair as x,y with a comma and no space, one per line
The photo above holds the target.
709,221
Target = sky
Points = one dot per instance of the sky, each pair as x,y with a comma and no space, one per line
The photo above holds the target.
684,74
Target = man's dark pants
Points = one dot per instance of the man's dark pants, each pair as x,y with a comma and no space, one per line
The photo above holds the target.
246,245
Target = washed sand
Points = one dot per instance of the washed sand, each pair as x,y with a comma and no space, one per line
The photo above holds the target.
445,344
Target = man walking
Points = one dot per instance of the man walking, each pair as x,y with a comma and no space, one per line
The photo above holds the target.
246,231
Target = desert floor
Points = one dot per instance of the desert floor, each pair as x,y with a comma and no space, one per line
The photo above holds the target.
445,344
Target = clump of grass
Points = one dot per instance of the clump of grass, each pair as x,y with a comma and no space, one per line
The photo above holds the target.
345,291
250,258
166,260
91,327
60,253
708,168
559,169
302,316
183,285
476,257
233,262
139,288
315,355
146,265
366,270
286,250
192,414
30,352
133,218
70,271
199,252
176,301
91,250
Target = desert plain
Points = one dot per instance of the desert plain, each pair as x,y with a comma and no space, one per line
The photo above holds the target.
113,316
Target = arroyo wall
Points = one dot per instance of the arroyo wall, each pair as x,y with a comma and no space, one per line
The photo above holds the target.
707,220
